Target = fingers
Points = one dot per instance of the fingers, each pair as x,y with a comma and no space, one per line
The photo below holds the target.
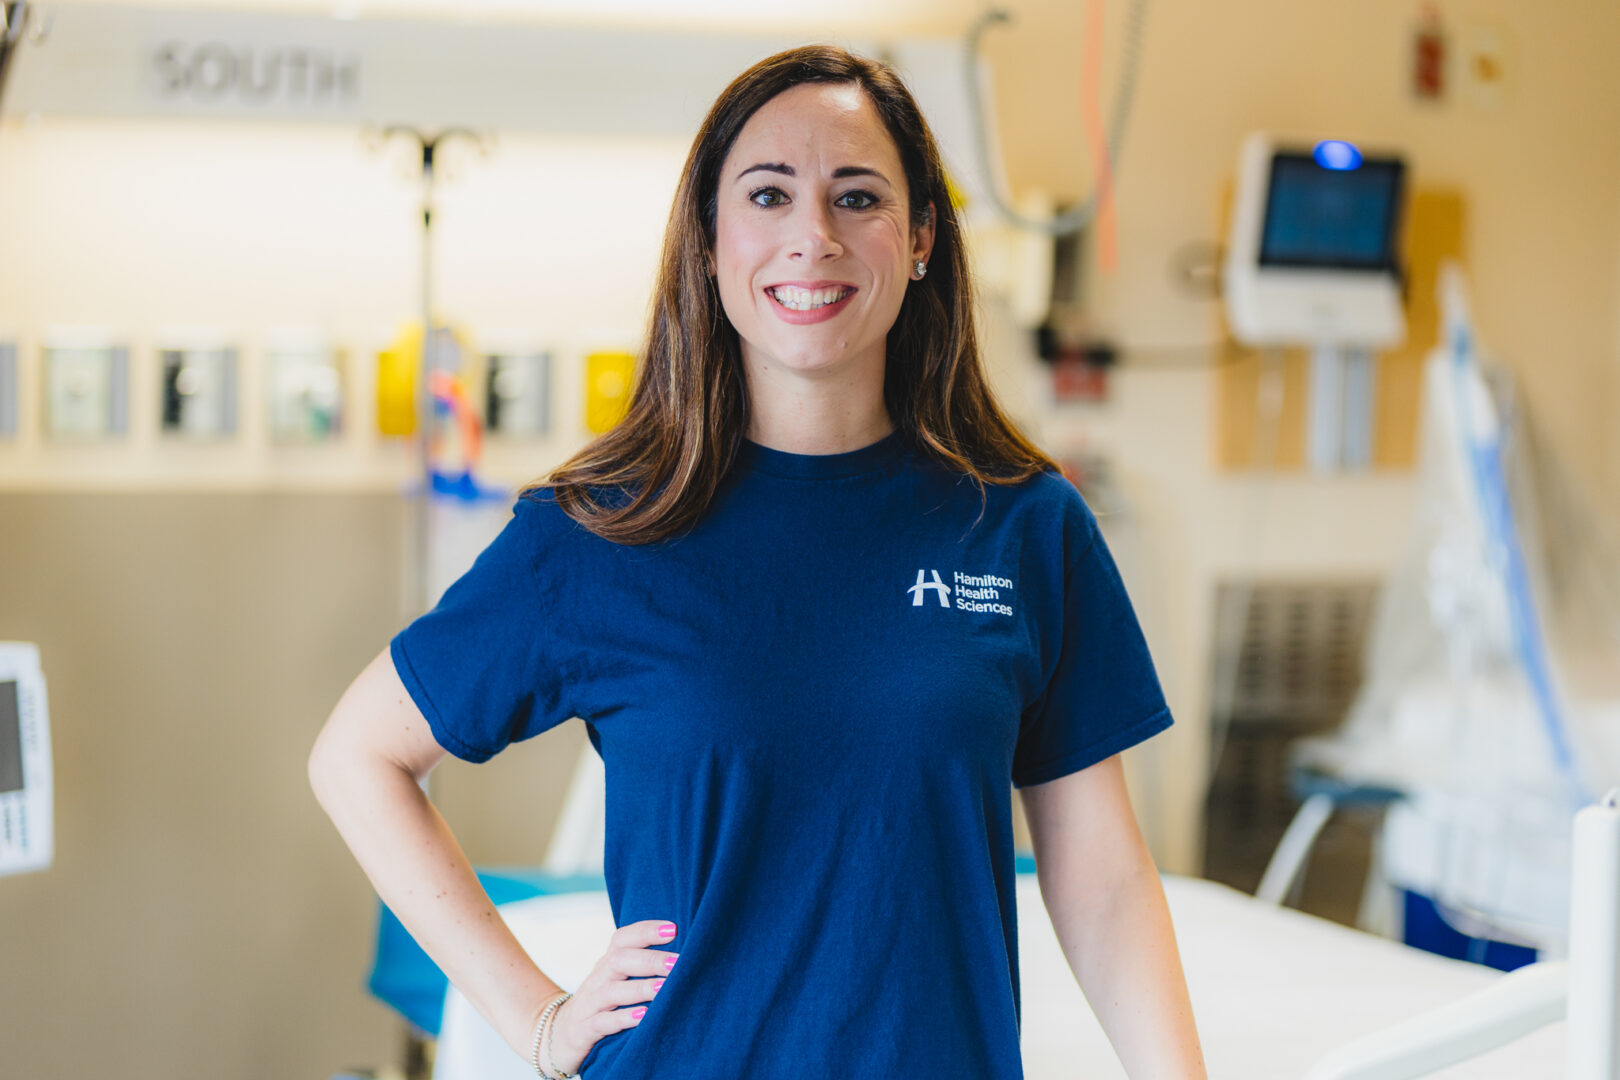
630,953
607,1023
638,963
630,972
644,933
631,991
613,998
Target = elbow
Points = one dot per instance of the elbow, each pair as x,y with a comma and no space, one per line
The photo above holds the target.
315,769
321,766
342,763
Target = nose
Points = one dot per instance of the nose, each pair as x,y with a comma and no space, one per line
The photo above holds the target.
818,234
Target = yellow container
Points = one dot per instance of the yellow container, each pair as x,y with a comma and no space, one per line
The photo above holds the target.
397,368
608,378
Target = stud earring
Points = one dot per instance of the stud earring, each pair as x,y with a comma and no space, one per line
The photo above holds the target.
919,268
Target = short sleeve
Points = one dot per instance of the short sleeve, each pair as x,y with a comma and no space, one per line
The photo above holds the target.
477,665
1104,694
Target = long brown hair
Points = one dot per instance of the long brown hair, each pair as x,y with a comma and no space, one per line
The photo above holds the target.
654,474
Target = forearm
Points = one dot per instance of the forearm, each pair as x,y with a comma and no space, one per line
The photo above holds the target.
1107,905
419,870
1121,945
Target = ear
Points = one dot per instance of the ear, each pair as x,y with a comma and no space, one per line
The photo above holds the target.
922,237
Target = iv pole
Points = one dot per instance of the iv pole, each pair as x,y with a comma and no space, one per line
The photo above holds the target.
419,563
977,78
432,337
14,19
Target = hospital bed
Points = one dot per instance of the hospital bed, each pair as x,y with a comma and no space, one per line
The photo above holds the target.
1278,994
1273,989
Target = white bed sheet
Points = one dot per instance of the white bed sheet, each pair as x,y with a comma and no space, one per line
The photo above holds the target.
1273,990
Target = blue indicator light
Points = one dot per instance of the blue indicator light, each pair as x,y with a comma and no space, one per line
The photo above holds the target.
1337,155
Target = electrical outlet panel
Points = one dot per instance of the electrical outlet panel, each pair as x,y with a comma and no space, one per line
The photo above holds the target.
199,392
8,390
305,393
86,390
517,398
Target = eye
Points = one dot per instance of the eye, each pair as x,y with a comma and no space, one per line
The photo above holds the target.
856,200
767,196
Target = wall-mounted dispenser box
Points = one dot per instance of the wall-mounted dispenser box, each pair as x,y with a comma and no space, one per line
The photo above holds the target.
8,390
199,391
86,387
517,393
304,389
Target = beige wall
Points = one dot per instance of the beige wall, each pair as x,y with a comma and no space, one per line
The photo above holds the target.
203,918
249,230
1540,170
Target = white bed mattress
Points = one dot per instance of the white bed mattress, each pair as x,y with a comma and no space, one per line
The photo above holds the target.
1273,990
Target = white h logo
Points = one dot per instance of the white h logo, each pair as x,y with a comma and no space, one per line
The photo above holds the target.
922,587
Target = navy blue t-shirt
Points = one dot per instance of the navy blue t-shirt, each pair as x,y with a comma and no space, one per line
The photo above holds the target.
811,710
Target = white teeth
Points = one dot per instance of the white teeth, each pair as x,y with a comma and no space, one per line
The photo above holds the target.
797,299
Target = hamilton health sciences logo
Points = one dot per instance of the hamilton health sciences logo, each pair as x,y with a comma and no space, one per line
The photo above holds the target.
980,593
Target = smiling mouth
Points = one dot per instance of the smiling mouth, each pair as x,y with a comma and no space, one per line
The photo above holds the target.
796,299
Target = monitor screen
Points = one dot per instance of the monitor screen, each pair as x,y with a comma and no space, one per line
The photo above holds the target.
1342,219
11,774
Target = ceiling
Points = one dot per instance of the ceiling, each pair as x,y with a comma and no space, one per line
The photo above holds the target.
851,17
1033,58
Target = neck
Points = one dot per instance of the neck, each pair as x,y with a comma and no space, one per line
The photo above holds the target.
800,414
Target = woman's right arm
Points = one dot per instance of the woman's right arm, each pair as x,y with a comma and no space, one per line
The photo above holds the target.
365,770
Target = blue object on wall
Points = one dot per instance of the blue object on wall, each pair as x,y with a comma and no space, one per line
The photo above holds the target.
1337,154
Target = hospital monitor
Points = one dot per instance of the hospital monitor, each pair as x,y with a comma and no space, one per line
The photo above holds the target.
26,835
1311,254
11,775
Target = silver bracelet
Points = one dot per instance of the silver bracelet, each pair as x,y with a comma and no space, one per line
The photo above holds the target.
539,1029
550,1040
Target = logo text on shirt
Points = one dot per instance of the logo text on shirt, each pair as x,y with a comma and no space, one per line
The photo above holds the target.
974,592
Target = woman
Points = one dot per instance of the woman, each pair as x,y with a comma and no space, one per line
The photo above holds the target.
819,604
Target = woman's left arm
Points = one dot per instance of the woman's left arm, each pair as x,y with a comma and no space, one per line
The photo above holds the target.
1108,908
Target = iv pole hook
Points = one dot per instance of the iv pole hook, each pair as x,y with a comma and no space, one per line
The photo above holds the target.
976,75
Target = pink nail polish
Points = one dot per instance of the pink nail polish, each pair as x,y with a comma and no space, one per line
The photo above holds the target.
669,963
658,986
639,1013
667,930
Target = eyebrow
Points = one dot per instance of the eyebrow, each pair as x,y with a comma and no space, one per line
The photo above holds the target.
788,170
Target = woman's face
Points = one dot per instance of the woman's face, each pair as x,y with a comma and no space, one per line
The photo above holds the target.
813,239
